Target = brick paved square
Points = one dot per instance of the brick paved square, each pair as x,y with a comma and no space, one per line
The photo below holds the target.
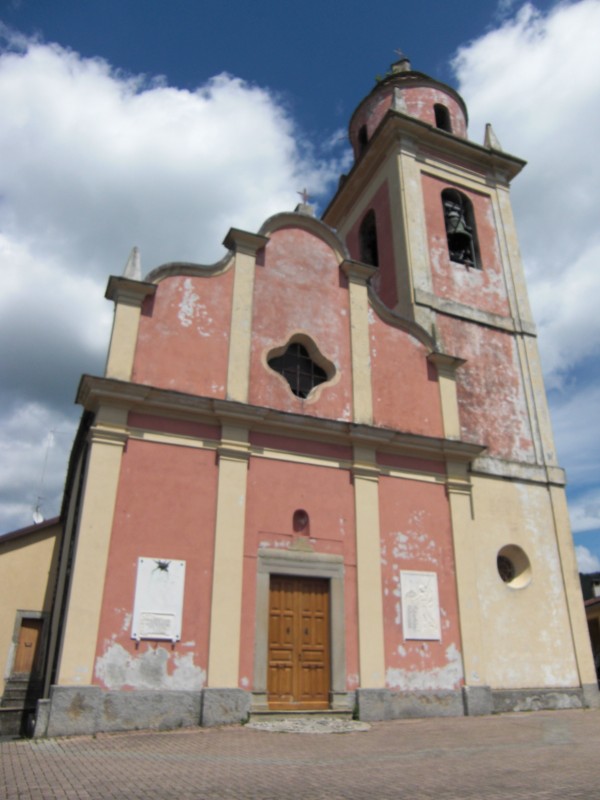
545,755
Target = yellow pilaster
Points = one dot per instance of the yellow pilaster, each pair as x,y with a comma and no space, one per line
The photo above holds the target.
358,275
408,168
107,439
465,560
245,246
570,572
368,568
128,296
226,605
446,369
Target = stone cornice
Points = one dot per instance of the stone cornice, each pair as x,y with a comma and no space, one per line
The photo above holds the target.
244,242
95,392
519,471
445,363
357,271
453,309
128,291
397,127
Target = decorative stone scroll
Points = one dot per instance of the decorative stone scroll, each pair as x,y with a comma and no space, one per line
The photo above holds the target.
420,605
158,605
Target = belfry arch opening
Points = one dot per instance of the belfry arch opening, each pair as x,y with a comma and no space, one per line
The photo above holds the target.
442,118
362,139
461,232
367,239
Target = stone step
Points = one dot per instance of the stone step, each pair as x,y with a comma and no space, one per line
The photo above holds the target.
326,713
20,693
15,721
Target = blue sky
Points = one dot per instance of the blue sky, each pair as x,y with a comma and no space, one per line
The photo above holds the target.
161,124
320,56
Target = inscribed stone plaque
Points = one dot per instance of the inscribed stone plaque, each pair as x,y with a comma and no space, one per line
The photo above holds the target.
158,605
420,605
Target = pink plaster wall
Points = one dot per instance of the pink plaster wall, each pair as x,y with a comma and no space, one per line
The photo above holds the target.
484,288
275,490
300,288
384,281
405,387
180,427
300,446
412,464
416,535
165,509
183,339
490,392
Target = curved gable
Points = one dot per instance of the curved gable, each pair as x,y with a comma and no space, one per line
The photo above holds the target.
301,295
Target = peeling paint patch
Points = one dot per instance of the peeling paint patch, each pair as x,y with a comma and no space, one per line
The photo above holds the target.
187,304
117,668
446,677
352,681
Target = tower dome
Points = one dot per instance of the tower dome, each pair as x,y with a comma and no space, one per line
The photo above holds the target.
408,92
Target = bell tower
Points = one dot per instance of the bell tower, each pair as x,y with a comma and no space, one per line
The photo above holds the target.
430,209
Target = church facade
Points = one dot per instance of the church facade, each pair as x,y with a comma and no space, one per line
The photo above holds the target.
319,475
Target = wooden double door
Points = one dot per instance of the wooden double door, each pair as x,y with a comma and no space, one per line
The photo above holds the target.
299,651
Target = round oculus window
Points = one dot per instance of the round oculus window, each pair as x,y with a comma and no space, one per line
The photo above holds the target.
514,567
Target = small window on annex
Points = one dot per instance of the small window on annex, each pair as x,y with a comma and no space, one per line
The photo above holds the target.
442,118
461,232
300,369
367,238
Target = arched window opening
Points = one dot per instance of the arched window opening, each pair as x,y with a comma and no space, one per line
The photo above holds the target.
301,522
460,228
362,140
367,236
298,368
442,118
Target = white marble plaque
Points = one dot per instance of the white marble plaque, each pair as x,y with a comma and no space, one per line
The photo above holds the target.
158,605
420,605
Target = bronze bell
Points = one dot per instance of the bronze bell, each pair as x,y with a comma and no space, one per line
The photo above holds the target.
455,219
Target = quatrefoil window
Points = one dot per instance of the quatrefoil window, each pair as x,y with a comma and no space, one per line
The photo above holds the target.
303,367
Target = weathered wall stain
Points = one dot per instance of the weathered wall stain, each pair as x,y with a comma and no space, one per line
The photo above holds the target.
154,668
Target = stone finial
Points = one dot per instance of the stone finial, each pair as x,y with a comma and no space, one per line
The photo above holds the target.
402,64
490,139
305,208
133,267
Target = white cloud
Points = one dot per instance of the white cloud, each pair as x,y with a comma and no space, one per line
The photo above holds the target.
34,446
585,512
536,78
586,562
577,432
94,162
